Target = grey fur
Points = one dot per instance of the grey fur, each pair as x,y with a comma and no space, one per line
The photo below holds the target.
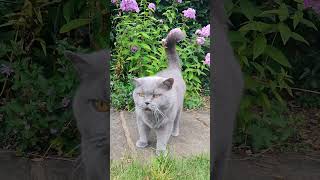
164,111
92,70
227,89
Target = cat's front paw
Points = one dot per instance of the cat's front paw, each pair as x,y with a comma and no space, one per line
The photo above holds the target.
141,144
175,133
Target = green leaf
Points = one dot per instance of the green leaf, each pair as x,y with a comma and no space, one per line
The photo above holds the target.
269,12
299,1
43,45
285,32
248,9
228,7
145,35
145,46
283,12
244,59
134,68
74,24
39,16
7,24
297,17
300,7
277,56
278,97
266,100
67,8
309,24
298,37
250,83
256,26
259,45
236,36
104,3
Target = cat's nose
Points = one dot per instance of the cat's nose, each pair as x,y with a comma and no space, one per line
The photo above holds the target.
147,103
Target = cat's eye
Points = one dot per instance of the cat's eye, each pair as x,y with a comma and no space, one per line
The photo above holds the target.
156,95
100,105
141,94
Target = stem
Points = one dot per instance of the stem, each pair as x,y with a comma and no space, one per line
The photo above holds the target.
3,87
293,88
274,38
306,90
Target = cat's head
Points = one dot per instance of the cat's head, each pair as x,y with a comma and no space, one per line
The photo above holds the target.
153,92
91,100
91,65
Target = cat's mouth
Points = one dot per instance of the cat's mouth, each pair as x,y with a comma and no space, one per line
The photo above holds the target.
147,109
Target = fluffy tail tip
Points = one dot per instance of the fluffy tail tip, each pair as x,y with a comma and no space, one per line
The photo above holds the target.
175,35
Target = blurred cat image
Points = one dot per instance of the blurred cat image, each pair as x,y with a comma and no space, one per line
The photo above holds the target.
91,110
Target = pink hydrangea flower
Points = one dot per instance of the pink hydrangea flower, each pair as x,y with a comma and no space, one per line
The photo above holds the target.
204,32
314,4
152,6
129,5
114,1
189,13
207,59
179,1
200,40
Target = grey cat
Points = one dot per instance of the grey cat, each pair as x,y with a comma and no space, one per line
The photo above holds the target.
159,99
91,110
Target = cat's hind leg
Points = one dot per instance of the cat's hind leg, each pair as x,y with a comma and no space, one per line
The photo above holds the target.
176,124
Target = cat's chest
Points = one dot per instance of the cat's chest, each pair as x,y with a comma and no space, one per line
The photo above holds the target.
153,121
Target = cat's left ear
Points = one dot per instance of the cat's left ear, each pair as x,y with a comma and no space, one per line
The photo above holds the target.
168,83
136,82
78,61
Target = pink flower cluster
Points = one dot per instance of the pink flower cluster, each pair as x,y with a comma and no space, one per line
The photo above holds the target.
204,32
189,13
200,40
152,6
314,4
129,5
207,59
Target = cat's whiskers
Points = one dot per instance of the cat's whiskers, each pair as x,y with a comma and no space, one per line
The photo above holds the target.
156,113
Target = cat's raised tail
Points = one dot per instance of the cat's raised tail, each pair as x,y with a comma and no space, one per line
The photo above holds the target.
169,43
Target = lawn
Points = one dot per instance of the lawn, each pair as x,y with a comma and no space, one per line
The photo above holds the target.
162,168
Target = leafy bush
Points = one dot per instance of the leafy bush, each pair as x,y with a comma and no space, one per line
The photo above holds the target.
138,51
41,107
260,34
36,81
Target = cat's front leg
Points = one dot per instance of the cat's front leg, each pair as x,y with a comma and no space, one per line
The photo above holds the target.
143,133
163,134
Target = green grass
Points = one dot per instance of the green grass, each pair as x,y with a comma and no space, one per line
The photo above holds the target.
163,168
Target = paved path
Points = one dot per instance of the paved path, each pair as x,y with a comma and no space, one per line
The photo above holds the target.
194,136
193,139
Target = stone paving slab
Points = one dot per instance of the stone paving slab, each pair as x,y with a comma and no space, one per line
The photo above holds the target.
20,168
194,136
118,140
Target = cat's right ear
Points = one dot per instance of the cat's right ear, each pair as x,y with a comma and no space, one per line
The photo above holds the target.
78,61
136,82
